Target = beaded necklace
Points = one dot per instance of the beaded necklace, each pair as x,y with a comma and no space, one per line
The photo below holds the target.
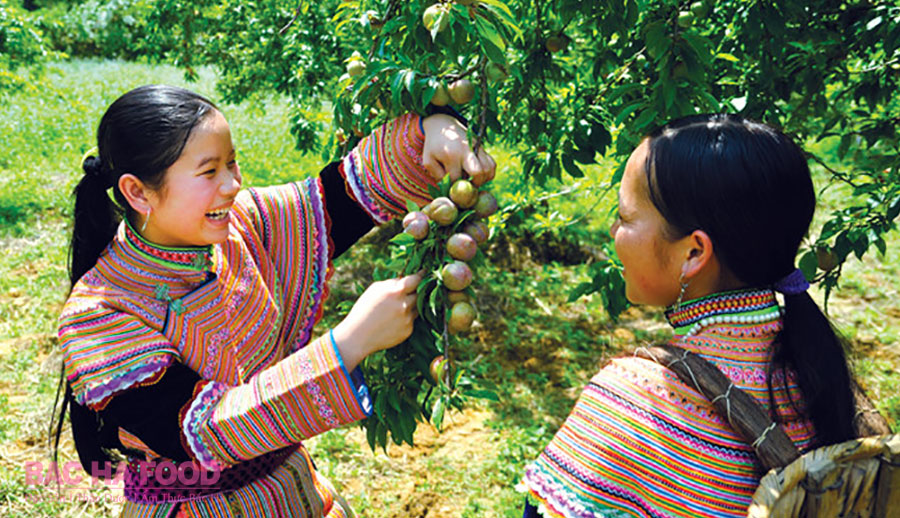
745,306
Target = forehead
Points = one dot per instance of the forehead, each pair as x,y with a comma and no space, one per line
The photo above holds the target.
634,181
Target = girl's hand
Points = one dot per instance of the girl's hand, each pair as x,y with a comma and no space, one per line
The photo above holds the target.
382,317
446,151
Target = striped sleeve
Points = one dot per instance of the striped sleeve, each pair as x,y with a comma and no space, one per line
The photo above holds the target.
305,394
106,351
385,169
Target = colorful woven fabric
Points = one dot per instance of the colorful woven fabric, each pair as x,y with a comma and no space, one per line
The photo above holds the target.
639,442
238,313
385,169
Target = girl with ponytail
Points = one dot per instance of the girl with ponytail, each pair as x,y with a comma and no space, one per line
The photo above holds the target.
712,211
187,334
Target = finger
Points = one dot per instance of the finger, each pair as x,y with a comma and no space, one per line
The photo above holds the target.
409,283
487,161
453,168
432,166
474,168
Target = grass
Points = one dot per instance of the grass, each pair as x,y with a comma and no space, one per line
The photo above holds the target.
533,346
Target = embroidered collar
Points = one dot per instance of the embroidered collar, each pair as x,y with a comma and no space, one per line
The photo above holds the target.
738,306
191,259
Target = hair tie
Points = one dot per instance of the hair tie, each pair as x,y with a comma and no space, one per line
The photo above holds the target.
793,283
93,168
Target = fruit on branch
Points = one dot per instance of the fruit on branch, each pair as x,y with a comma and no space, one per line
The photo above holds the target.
456,276
416,225
442,211
478,230
826,259
486,204
441,96
699,9
495,72
373,18
356,65
462,314
440,370
556,43
463,193
458,296
436,14
462,91
462,246
340,135
685,19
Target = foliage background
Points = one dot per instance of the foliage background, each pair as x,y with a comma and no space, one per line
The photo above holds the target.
560,126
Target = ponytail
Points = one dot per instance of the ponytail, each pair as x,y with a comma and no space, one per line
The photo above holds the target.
96,218
815,351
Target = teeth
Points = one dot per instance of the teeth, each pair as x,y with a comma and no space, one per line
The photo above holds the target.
218,214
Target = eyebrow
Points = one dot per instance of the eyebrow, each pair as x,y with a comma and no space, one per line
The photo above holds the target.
208,159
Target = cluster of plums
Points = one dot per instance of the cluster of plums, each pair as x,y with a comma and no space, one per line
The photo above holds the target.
461,245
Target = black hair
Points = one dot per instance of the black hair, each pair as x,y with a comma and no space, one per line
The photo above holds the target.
142,133
748,186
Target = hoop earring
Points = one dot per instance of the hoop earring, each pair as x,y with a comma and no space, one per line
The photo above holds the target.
144,226
684,286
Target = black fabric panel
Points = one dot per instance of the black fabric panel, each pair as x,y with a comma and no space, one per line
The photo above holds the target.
151,413
349,221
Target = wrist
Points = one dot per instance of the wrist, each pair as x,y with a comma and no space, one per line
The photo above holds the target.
351,350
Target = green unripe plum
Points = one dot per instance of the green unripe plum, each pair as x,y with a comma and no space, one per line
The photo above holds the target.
462,91
699,9
462,314
463,193
441,96
462,246
440,369
355,68
478,230
685,19
458,296
826,259
456,276
443,211
416,225
432,16
495,72
555,44
486,204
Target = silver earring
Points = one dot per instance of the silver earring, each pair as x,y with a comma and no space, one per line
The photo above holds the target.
684,285
144,226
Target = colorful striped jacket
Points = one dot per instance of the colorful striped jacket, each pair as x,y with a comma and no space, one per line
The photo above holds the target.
205,354
640,442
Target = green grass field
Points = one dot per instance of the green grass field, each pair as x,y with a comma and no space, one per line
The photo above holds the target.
534,347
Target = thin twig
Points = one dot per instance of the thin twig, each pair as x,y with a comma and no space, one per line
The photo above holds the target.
837,174
297,11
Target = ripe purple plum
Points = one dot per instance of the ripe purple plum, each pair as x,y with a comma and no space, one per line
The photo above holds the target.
462,314
443,211
416,225
440,369
478,230
456,276
462,246
486,204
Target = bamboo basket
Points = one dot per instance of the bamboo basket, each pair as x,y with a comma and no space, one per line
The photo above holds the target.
858,478
854,479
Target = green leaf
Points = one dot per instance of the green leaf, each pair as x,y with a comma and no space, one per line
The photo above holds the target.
411,206
402,238
727,57
808,264
437,413
482,394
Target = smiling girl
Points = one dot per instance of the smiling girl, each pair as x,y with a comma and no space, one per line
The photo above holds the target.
712,211
186,337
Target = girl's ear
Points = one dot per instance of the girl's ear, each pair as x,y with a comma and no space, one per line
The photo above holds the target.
699,254
135,192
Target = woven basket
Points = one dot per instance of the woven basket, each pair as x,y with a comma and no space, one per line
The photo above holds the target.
858,478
